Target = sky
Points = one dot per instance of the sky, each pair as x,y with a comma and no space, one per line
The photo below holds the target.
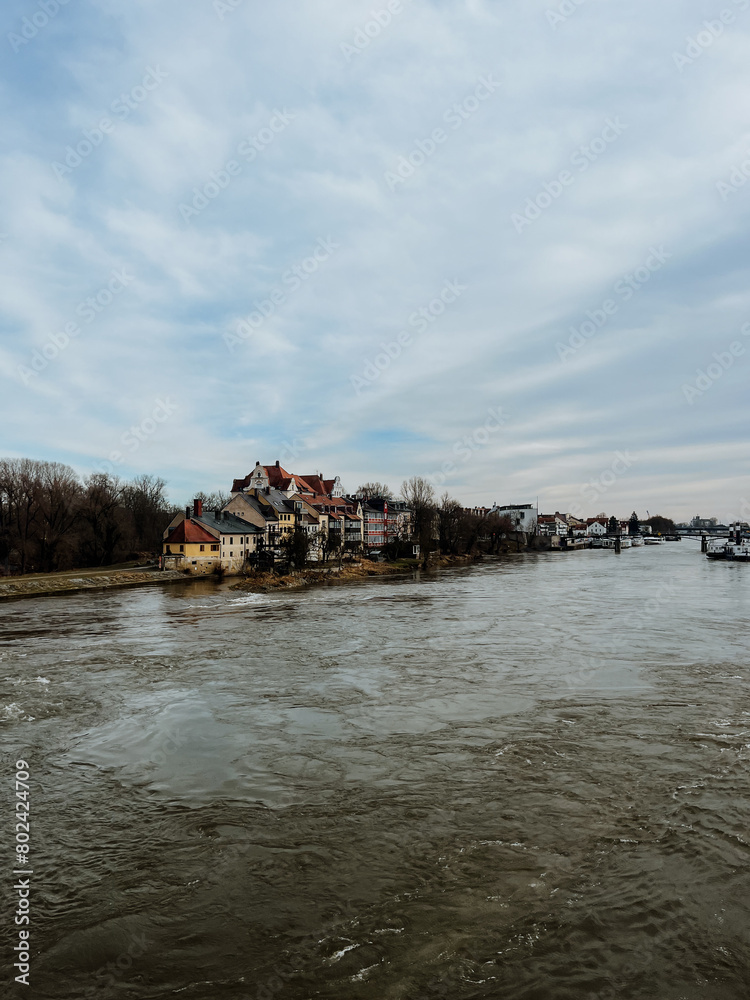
501,246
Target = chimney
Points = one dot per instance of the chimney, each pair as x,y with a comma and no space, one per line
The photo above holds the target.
268,490
197,508
187,513
277,463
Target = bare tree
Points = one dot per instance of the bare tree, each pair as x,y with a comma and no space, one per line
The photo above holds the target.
59,509
450,517
144,498
211,501
420,497
375,491
101,516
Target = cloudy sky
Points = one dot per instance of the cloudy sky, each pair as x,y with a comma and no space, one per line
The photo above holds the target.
501,245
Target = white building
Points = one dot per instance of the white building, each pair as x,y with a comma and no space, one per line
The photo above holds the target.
524,516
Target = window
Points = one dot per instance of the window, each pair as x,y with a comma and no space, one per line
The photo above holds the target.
169,550
203,548
231,554
214,548
182,548
231,540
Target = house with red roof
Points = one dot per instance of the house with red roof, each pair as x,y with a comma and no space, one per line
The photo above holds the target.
276,477
202,542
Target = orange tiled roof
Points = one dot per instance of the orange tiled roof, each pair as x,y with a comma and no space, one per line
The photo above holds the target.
187,532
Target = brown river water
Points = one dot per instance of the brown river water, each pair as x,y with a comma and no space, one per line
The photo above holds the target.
526,779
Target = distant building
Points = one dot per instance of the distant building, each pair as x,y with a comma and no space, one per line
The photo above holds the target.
703,522
552,524
385,521
525,516
274,476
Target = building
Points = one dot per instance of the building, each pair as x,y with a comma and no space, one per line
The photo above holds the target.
596,526
552,524
286,502
289,483
384,521
202,542
525,516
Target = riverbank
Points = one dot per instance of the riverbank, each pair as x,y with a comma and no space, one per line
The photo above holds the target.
265,583
45,584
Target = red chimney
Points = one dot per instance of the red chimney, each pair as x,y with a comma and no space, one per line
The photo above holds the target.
197,508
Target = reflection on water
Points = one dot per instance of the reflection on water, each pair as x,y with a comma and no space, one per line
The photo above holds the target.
526,780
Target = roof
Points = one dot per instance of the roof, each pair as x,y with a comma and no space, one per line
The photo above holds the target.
316,484
254,504
278,500
189,533
227,524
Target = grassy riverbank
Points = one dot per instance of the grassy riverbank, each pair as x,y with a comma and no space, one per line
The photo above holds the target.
265,583
130,575
41,584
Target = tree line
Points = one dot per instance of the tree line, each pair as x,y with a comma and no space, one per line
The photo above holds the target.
442,524
52,519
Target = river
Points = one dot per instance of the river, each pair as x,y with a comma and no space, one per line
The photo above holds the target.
526,779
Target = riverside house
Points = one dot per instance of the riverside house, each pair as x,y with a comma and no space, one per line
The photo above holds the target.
203,542
309,503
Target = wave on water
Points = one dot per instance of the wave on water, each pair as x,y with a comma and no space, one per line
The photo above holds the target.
248,599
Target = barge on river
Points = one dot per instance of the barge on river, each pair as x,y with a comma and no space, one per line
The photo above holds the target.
734,548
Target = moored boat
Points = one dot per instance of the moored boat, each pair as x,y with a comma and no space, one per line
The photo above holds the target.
734,548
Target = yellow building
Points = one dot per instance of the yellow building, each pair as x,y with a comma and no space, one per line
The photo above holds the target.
202,543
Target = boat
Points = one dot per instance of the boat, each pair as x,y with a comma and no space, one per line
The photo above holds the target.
653,540
626,542
734,548
636,540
